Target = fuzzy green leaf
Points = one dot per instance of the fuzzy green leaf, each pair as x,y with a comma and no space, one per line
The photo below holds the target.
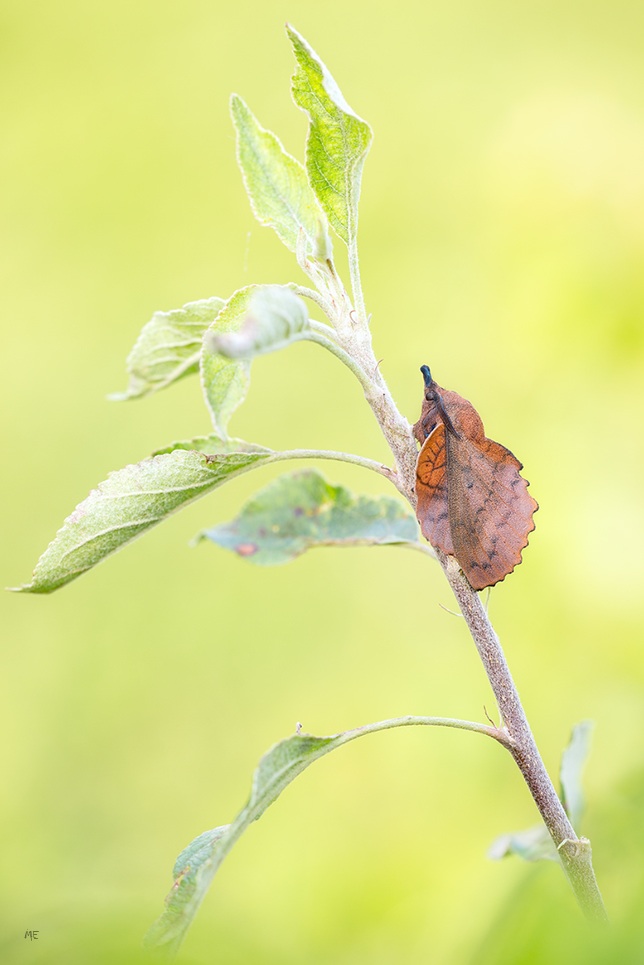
225,381
129,502
199,862
273,318
302,510
338,139
214,445
277,186
168,348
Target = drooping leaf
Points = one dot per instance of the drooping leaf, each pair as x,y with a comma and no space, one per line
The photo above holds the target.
573,761
197,864
192,875
129,502
471,501
273,318
225,381
277,186
168,348
338,139
302,510
535,844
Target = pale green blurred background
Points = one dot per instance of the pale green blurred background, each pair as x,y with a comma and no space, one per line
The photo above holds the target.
502,227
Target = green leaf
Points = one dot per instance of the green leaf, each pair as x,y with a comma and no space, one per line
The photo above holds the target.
535,844
197,865
573,761
168,348
273,318
301,510
214,445
338,139
225,381
128,503
277,186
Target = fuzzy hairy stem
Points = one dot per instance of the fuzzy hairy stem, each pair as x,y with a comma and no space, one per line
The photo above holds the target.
397,431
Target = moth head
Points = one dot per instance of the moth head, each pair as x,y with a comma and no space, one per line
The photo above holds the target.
430,386
427,375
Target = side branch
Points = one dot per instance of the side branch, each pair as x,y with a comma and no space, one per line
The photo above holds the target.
496,733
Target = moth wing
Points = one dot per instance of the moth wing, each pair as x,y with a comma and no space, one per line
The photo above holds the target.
432,507
489,508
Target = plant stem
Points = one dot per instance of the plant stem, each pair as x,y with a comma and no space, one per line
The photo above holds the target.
574,852
496,733
315,297
349,457
356,285
321,339
395,428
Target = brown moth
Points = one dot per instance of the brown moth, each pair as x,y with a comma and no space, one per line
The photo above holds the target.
471,501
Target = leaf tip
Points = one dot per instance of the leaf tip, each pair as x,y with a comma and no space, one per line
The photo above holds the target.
295,36
35,587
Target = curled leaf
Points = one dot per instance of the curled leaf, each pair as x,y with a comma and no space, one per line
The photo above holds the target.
302,510
472,503
271,318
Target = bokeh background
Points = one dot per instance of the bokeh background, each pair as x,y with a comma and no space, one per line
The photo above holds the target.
502,227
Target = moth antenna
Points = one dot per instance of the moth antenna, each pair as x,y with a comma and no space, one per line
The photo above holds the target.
427,375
